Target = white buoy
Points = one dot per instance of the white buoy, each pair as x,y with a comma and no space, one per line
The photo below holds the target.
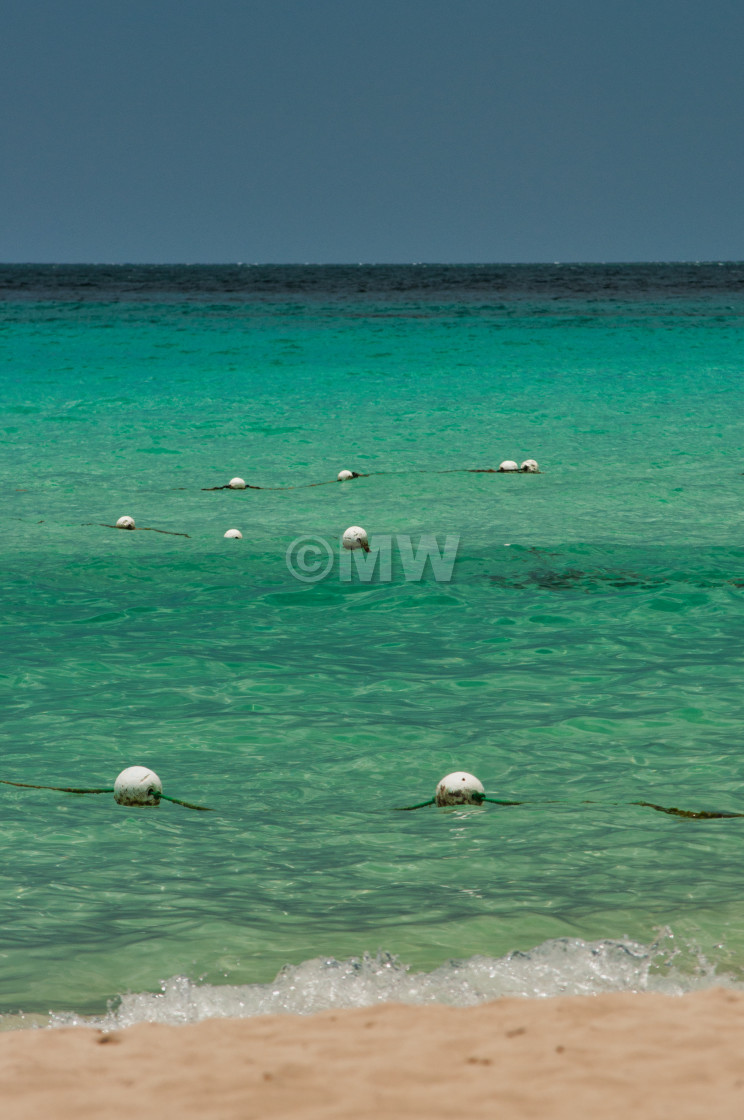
529,466
237,484
125,523
508,465
344,475
138,786
233,535
355,537
459,788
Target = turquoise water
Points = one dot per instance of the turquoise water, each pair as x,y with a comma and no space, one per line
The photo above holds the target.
586,653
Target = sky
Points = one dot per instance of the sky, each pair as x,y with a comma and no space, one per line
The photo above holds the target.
345,131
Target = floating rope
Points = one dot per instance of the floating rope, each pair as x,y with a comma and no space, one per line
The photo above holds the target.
475,799
410,808
74,789
247,487
187,804
139,529
59,789
299,486
478,799
703,815
371,474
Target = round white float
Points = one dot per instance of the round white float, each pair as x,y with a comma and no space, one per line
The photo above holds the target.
529,466
237,484
137,786
355,537
508,465
344,475
459,788
233,535
125,523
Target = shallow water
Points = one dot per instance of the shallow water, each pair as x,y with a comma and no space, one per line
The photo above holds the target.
586,653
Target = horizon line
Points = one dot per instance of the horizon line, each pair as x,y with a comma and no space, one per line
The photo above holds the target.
367,264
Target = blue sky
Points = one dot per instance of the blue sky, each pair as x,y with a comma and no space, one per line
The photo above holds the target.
329,131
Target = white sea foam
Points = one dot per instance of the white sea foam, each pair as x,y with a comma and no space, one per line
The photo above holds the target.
565,966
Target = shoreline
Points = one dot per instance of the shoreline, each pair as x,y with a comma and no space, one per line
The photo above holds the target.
602,1056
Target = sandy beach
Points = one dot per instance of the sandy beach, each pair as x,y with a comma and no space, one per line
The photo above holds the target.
616,1055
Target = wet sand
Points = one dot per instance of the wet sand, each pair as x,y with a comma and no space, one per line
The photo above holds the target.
609,1056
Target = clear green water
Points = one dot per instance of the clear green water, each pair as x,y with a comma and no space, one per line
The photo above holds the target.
595,661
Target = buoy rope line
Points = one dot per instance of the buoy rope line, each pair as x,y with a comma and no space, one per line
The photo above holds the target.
703,815
359,537
371,474
60,789
186,804
158,795
462,788
475,797
348,475
137,529
509,466
353,474
301,485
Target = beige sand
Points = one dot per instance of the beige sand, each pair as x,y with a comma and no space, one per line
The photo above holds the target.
619,1056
